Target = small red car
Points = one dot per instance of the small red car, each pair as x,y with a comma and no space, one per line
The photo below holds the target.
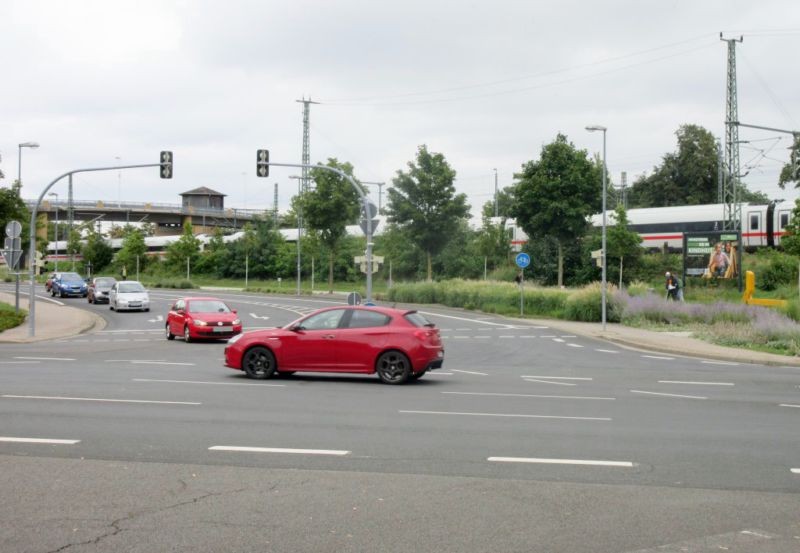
195,318
398,345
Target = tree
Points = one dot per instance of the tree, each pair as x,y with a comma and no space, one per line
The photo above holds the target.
96,250
791,240
555,196
133,251
621,242
505,203
12,208
74,245
329,208
493,243
424,203
790,173
186,248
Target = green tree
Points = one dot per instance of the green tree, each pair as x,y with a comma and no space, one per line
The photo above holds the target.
622,244
187,247
555,196
505,204
493,243
211,259
791,240
423,202
12,208
133,251
790,173
96,251
329,207
74,244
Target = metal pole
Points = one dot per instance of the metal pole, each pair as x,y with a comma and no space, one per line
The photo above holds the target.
137,267
299,234
71,221
495,193
56,230
187,268
521,287
604,231
246,269
19,171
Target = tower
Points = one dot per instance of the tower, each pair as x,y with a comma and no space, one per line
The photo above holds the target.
733,209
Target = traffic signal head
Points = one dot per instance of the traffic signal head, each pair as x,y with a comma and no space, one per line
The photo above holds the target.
262,159
166,165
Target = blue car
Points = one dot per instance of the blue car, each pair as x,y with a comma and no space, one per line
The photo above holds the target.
68,284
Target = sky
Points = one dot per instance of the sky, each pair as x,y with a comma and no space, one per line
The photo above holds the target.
487,83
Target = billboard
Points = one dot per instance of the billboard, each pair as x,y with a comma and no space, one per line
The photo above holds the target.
712,254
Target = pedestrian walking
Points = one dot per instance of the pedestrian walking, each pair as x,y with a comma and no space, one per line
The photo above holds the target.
671,285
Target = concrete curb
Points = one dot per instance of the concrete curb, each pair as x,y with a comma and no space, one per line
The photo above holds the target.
52,322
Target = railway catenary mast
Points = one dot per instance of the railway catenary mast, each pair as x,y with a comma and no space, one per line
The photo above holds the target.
733,210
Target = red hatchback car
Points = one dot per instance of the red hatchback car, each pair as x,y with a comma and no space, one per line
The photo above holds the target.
397,344
195,318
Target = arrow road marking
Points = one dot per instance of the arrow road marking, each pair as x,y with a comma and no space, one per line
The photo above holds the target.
258,316
158,319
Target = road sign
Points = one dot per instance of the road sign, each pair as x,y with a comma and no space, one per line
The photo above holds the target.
373,210
13,250
262,158
13,229
363,224
166,164
523,260
353,298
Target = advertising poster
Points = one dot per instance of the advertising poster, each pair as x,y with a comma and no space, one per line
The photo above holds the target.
712,254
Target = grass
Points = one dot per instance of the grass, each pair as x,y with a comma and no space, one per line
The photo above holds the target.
10,319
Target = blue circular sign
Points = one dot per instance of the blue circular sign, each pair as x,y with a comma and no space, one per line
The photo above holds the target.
523,260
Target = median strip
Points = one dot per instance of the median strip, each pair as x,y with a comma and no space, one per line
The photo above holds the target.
38,441
62,398
588,462
279,450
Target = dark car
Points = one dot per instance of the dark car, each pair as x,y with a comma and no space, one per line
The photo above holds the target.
68,284
195,318
98,290
396,344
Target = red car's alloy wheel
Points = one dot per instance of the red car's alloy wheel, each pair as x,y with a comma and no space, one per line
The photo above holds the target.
393,367
258,363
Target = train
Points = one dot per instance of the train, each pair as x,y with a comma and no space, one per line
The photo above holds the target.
664,227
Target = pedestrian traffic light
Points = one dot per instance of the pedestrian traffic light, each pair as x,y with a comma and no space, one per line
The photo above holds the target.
166,165
262,161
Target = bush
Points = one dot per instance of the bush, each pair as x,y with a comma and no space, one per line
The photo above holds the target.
586,304
781,269
172,283
10,319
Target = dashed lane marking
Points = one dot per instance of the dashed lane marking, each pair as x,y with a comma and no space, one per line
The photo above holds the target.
560,340
789,405
38,441
606,351
557,377
549,382
667,395
527,395
659,357
45,358
795,471
509,415
212,383
333,452
588,462
696,383
574,345
720,363
19,362
469,372
106,400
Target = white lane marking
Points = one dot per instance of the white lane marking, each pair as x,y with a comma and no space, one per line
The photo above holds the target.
557,377
279,450
158,319
548,336
469,372
626,464
463,329
511,415
667,395
258,316
697,383
525,395
659,357
46,358
38,441
127,331
795,471
131,360
505,336
479,321
561,340
19,362
789,405
461,337
482,337
527,336
160,363
202,382
606,351
569,336
434,373
549,382
720,363
575,345
102,399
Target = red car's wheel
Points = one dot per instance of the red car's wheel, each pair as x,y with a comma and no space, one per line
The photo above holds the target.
187,337
393,367
258,363
170,335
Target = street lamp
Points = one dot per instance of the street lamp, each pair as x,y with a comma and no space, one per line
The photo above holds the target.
119,184
299,227
56,232
495,192
594,128
19,163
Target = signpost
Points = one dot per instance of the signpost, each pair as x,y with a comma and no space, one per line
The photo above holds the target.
12,254
522,260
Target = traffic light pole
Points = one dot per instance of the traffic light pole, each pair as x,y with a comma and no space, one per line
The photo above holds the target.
34,214
361,195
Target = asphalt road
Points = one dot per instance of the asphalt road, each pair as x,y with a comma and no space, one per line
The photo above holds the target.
528,439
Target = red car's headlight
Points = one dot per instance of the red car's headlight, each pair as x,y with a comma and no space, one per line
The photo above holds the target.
236,322
200,323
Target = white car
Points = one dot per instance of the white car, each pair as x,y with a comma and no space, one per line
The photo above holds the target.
128,295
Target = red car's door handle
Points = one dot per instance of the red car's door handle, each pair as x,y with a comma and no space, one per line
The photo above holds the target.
329,336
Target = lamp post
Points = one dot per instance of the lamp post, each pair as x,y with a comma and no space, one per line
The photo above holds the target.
495,192
119,184
56,232
299,227
594,128
19,163
380,191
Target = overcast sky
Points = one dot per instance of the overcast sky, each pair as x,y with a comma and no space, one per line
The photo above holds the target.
485,82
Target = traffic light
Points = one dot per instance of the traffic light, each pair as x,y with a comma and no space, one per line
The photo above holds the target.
166,165
262,159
